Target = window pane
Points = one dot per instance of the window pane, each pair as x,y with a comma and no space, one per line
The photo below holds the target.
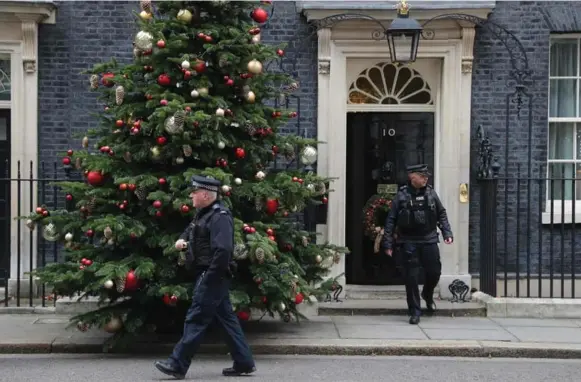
3,130
563,98
4,77
561,142
561,185
564,58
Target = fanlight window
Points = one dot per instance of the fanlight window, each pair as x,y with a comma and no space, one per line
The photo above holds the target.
4,77
390,84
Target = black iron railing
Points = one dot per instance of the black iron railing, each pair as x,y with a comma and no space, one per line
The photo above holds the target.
530,235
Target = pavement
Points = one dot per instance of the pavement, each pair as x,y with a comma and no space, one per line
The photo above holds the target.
325,335
98,368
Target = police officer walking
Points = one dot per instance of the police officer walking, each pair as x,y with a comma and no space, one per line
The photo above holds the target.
416,213
209,242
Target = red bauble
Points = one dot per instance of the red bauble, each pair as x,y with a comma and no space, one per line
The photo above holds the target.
243,315
259,15
272,238
162,181
264,299
161,141
69,197
280,52
158,214
299,298
87,262
185,209
89,233
163,102
107,79
271,206
39,210
240,153
95,178
70,153
45,213
105,149
164,80
258,280
200,67
66,161
131,281
270,232
132,187
157,204
173,299
119,123
325,200
166,299
161,44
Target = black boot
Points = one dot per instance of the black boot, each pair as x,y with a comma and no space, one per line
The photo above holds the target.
237,371
414,320
430,304
168,369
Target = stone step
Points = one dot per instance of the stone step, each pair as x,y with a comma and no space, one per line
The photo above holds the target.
398,308
379,292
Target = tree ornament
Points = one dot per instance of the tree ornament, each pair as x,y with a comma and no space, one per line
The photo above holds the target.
220,112
238,181
108,284
259,15
200,66
160,44
271,206
114,325
145,5
145,16
243,315
69,237
299,298
282,306
260,175
240,153
85,142
318,259
195,93
255,39
107,79
250,97
94,80
188,151
240,252
280,52
179,119
140,192
95,178
255,67
82,327
155,152
131,281
119,95
185,64
50,232
180,160
108,232
164,80
260,255
120,284
226,188
203,92
143,40
309,155
184,16
30,224
221,145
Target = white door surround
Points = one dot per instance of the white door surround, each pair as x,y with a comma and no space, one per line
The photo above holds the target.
452,47
19,39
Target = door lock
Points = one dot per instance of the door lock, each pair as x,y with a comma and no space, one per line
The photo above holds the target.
464,196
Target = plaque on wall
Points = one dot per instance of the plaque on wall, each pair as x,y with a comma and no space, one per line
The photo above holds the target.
386,188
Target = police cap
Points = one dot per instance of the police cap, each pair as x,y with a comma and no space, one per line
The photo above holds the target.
419,168
202,182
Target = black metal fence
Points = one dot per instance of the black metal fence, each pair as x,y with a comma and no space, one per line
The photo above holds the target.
530,241
20,196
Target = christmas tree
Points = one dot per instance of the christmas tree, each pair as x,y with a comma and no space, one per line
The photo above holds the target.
194,101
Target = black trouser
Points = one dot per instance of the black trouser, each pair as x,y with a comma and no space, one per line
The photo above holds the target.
414,256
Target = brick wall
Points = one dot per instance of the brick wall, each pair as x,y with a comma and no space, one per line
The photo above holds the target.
532,23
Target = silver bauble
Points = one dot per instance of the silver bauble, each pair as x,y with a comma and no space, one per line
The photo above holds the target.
144,40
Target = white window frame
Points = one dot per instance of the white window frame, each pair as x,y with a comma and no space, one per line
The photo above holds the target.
558,216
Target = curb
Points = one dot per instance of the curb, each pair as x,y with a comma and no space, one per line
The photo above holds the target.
488,349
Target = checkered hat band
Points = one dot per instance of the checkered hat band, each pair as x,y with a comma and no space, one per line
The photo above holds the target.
204,186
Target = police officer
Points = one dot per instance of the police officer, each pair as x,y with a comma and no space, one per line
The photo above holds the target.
209,242
416,213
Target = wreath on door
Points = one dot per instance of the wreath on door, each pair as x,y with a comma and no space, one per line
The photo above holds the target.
374,214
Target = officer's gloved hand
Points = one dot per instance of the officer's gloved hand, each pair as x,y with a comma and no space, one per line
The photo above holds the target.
181,244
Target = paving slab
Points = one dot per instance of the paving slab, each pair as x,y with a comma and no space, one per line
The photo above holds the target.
472,323
410,332
470,334
539,323
534,334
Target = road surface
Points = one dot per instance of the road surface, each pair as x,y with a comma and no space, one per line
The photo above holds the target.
97,368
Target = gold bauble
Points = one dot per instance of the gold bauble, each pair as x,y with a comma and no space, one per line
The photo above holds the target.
250,97
255,67
185,15
114,325
203,91
85,142
256,39
155,151
145,15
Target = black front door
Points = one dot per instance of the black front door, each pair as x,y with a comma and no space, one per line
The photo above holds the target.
4,195
379,148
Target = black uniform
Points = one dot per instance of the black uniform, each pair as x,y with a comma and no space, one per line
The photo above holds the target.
416,214
210,239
